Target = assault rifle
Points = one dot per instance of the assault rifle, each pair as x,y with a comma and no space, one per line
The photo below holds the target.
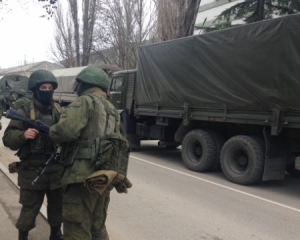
42,127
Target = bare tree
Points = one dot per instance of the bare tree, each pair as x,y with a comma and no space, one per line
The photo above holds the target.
89,18
113,29
73,6
176,18
123,25
49,6
72,44
63,51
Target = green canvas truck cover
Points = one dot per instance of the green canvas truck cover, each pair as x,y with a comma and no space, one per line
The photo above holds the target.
66,77
254,66
13,82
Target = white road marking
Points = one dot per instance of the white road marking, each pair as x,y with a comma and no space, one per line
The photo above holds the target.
219,185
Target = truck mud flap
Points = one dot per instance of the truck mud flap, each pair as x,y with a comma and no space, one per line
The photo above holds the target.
275,157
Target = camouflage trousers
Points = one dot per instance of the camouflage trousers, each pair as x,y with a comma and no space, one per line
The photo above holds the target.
84,214
32,201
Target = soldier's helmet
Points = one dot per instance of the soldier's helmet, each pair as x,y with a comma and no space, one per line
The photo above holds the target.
39,77
21,92
94,76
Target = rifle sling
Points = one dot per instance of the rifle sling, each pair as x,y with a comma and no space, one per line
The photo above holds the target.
32,113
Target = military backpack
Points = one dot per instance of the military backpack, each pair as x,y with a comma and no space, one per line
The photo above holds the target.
113,149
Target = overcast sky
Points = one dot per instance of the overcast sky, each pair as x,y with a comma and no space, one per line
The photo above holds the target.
24,35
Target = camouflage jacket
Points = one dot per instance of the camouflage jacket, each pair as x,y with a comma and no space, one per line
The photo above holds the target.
2,107
80,124
21,102
12,99
34,153
2,100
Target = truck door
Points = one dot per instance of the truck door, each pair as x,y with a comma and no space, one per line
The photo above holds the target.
116,88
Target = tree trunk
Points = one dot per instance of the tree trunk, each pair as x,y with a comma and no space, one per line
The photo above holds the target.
74,13
260,10
85,20
190,16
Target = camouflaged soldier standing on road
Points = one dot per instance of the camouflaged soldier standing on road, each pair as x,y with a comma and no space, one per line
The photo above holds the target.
84,120
2,106
12,98
22,99
2,102
34,149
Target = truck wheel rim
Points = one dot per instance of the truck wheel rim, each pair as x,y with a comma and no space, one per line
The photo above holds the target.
238,161
195,151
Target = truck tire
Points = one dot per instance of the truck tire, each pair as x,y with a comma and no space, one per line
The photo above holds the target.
219,142
242,159
198,150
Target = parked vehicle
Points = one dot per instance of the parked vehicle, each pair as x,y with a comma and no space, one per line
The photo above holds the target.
64,94
231,98
9,83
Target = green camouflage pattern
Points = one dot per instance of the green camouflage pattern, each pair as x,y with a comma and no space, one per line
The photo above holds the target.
21,102
84,214
80,124
31,152
2,101
2,107
113,154
82,121
39,77
21,92
32,201
94,76
12,98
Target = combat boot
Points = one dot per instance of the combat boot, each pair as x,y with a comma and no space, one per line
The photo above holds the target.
56,233
23,235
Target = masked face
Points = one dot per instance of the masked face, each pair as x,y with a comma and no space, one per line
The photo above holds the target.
44,94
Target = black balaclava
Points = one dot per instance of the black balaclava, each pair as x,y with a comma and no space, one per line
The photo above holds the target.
45,97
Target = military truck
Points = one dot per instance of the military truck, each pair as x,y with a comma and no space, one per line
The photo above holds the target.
9,83
231,98
64,94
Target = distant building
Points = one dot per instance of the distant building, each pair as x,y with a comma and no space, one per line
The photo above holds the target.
27,69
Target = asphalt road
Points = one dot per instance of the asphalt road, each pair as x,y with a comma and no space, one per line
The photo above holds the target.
169,202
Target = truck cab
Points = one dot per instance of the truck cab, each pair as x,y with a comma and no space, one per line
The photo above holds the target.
121,95
122,89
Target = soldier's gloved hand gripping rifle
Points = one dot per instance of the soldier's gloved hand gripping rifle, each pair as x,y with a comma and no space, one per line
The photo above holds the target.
42,127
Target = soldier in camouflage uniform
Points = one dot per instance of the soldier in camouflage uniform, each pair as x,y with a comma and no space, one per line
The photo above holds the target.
2,102
22,99
2,106
84,120
34,149
12,98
